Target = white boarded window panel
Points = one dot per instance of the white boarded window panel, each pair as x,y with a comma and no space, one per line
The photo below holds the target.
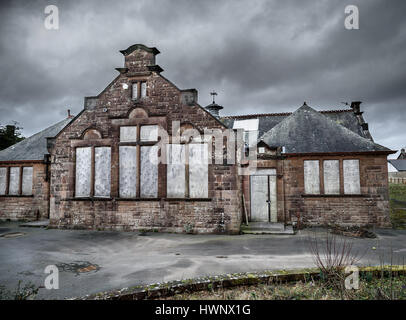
27,181
128,134
83,171
134,91
351,177
312,177
14,181
198,171
3,180
175,171
331,169
149,133
149,172
128,171
143,89
102,171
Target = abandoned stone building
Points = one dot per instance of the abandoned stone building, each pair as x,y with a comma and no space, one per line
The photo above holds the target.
103,168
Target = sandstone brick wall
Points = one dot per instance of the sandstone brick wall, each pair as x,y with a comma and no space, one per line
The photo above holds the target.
28,207
221,212
369,208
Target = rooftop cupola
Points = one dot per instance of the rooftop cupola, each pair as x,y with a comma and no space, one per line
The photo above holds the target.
140,58
214,108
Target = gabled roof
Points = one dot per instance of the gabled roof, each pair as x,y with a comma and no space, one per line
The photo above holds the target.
267,121
34,147
399,164
309,131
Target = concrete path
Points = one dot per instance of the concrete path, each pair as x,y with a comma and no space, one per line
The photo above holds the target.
93,261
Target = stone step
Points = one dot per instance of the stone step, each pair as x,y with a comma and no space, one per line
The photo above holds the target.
277,226
35,224
267,228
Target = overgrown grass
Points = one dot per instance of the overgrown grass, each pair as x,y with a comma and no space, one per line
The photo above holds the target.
397,196
26,291
369,289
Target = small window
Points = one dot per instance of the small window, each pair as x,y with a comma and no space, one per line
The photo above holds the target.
135,91
27,181
128,134
143,90
198,170
261,149
102,171
311,177
14,183
149,172
149,133
83,171
176,178
351,177
3,181
128,171
139,90
331,169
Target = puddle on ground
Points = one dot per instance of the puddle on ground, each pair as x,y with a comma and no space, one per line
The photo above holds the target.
78,267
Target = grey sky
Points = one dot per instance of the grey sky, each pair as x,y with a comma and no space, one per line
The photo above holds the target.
260,56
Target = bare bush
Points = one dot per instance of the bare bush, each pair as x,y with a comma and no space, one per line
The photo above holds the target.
331,254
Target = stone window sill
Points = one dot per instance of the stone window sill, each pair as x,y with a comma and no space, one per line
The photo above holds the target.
334,195
188,199
135,199
16,196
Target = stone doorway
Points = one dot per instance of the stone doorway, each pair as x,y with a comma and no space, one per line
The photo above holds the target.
263,196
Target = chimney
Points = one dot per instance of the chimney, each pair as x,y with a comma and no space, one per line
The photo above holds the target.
356,107
402,154
11,130
69,115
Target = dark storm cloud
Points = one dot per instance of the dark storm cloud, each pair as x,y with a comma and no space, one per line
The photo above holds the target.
261,56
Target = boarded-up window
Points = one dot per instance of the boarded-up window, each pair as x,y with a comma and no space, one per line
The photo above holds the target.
128,134
143,89
102,171
198,170
176,171
331,169
27,181
83,171
149,172
3,180
14,183
135,91
351,177
128,171
149,133
311,177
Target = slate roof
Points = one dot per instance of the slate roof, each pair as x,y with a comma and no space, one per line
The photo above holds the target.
399,164
34,147
309,131
267,121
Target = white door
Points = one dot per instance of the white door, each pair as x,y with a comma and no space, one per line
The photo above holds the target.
263,196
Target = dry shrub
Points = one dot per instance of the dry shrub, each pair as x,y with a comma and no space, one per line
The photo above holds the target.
331,254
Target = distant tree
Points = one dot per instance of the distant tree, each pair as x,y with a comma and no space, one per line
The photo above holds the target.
10,134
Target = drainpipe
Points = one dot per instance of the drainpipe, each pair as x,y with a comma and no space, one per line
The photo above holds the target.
48,179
